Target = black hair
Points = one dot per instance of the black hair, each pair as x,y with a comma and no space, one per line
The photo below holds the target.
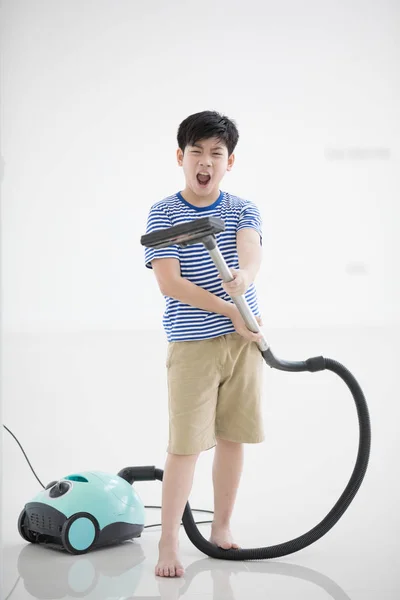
205,125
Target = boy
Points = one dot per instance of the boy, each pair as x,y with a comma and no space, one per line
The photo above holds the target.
214,367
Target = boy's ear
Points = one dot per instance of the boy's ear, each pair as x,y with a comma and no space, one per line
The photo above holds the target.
179,156
231,161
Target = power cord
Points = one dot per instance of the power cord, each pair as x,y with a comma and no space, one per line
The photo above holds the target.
211,512
23,451
146,526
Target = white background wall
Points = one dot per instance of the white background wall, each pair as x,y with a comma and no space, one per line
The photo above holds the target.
92,95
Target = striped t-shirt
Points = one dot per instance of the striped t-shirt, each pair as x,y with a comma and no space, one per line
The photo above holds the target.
183,322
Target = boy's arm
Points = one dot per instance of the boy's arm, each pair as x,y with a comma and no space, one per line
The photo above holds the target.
172,284
250,255
249,252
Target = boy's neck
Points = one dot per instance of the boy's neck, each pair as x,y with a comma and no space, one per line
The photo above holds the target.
200,201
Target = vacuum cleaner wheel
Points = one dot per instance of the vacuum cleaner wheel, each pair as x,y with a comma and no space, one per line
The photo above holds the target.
79,533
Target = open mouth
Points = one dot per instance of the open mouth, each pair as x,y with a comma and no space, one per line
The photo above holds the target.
203,179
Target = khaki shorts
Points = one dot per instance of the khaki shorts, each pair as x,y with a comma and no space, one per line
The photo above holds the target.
214,390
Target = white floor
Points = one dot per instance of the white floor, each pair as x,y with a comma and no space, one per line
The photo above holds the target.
289,482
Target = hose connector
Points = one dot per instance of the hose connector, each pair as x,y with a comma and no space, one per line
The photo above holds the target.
317,363
131,474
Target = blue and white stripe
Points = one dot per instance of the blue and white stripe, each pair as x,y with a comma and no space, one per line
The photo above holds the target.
181,321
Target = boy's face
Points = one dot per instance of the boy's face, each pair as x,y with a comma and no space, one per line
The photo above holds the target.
204,165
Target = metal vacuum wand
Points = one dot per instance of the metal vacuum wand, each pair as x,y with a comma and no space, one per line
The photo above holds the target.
240,301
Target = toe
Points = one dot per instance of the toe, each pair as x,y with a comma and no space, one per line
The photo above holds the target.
172,571
166,571
226,546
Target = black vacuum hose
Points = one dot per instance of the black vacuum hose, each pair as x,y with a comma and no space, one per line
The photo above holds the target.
319,363
314,364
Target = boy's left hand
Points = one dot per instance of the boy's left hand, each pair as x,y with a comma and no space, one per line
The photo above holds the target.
239,285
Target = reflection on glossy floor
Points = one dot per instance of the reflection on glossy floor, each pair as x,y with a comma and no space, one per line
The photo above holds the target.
123,573
126,572
289,484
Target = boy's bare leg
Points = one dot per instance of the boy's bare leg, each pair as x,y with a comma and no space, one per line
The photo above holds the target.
176,486
227,470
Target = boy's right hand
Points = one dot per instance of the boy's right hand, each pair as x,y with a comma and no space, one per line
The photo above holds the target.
241,327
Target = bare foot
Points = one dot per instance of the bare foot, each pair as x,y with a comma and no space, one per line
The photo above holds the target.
168,564
221,536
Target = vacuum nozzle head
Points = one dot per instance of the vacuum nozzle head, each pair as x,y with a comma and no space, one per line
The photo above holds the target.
185,234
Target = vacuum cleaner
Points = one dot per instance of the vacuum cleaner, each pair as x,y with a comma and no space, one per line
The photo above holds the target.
86,510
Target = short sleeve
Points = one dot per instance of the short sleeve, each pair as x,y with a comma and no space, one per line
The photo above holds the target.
250,218
158,219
